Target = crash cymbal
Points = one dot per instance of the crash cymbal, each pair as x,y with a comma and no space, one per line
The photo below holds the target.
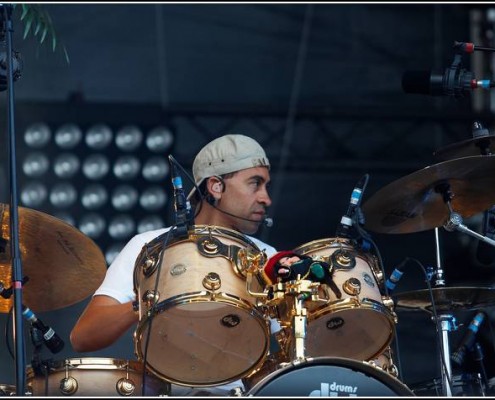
413,203
63,266
484,145
446,298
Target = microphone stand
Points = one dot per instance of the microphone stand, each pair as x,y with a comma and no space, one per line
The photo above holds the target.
20,355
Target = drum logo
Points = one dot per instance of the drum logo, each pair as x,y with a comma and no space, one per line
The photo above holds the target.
230,320
178,269
369,280
335,323
333,389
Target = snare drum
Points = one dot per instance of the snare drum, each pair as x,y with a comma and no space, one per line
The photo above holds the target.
329,377
198,326
95,377
356,321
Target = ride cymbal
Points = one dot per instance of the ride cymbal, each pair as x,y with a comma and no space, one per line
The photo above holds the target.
446,298
63,266
416,202
483,145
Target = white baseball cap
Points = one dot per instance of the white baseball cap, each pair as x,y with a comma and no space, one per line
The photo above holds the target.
226,154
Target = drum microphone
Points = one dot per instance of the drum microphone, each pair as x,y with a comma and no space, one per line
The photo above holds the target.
469,338
267,221
395,276
51,339
346,221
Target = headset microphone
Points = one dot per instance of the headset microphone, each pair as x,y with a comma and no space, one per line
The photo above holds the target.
267,221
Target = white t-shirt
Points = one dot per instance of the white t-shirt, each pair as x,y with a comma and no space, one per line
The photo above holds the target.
119,284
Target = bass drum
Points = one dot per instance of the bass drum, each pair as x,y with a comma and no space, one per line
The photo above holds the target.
329,377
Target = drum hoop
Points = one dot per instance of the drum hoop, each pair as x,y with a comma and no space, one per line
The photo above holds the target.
352,303
194,230
361,366
321,244
106,363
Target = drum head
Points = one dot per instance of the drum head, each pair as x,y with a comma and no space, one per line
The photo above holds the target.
329,377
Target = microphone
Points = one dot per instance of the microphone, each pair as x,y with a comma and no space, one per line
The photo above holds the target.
395,276
346,221
51,339
485,253
469,338
452,83
182,206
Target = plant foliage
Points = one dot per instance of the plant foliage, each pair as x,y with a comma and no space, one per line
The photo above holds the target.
38,23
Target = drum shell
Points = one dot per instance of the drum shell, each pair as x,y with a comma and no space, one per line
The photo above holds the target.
95,377
210,335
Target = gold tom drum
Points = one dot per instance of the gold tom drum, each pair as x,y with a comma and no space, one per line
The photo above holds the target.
357,321
198,326
94,377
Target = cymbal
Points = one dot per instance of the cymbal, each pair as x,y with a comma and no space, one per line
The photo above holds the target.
482,145
63,266
413,203
446,298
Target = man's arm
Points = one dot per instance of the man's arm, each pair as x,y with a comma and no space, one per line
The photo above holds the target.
103,321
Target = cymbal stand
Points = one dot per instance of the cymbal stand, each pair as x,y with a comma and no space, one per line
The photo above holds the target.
447,322
455,223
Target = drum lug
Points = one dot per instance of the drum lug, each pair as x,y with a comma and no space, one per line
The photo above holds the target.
125,387
150,298
212,281
68,385
352,286
149,267
343,259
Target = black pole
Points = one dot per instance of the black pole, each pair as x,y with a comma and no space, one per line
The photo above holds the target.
18,328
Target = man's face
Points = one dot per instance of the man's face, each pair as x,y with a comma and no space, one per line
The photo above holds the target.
246,195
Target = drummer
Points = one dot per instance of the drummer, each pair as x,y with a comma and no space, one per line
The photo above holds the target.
232,174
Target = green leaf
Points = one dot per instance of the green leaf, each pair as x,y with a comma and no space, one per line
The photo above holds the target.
29,22
25,10
54,42
43,35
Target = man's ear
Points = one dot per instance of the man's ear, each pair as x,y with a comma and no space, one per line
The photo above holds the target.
215,187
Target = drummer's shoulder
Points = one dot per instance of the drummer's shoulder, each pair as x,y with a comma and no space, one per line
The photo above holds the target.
147,236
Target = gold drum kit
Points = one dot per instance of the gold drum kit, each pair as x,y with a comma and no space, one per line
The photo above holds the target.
207,310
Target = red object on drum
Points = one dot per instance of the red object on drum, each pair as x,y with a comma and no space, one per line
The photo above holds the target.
269,268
